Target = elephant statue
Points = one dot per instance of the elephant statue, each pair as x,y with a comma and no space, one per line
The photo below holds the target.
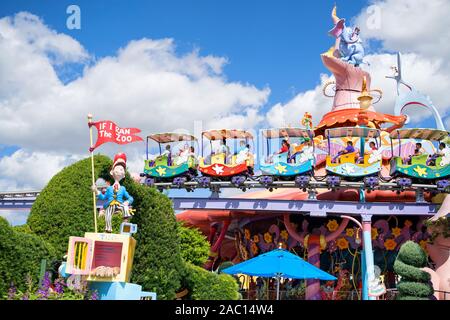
348,41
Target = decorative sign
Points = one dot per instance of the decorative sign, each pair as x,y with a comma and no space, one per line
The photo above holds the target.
107,254
108,131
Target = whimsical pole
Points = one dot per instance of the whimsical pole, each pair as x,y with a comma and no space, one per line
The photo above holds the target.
94,195
369,275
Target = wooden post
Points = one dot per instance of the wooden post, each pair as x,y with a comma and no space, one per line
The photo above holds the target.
94,194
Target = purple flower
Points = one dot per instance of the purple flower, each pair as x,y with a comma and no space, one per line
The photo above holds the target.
12,292
25,296
94,295
43,291
59,286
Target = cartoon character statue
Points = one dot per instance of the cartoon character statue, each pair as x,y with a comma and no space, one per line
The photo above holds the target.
307,120
348,41
376,286
117,198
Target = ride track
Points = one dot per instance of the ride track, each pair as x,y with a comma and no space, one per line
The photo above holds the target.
23,200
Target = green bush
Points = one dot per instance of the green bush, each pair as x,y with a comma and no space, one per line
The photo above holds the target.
193,245
206,285
20,254
65,207
24,228
415,283
158,265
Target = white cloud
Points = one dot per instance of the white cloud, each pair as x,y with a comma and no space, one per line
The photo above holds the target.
146,85
25,170
292,112
428,76
419,26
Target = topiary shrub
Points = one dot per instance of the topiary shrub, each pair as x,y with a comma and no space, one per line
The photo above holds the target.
64,207
415,283
20,254
24,228
158,265
194,246
206,285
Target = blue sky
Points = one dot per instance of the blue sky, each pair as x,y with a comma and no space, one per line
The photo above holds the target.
274,43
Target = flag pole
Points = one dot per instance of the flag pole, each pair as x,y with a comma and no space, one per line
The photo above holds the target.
94,194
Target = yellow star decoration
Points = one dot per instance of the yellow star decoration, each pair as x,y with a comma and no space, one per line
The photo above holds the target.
421,171
161,171
280,168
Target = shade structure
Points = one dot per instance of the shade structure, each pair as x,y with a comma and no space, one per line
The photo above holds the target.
281,263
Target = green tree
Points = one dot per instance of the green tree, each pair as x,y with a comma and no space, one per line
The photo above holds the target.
193,245
415,283
20,254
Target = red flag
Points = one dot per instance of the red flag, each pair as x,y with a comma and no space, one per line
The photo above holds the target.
108,131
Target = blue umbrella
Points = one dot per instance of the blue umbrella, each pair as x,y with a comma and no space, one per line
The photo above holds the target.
279,263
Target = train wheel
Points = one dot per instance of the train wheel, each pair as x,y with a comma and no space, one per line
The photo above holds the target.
333,182
302,181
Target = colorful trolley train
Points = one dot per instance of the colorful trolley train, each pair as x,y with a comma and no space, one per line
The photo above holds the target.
414,155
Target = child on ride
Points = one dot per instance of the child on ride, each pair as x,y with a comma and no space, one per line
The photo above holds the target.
285,148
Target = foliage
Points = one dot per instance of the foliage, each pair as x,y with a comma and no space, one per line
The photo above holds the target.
296,292
194,246
48,290
23,228
158,265
65,206
20,254
440,227
415,283
206,285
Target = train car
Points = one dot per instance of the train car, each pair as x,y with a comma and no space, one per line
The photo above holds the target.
168,165
221,163
421,167
297,160
357,162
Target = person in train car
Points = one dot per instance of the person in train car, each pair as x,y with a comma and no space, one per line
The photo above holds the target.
443,151
418,151
348,149
242,153
223,148
306,150
183,155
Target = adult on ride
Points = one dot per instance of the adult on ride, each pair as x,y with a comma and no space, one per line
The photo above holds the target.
348,149
418,151
443,151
